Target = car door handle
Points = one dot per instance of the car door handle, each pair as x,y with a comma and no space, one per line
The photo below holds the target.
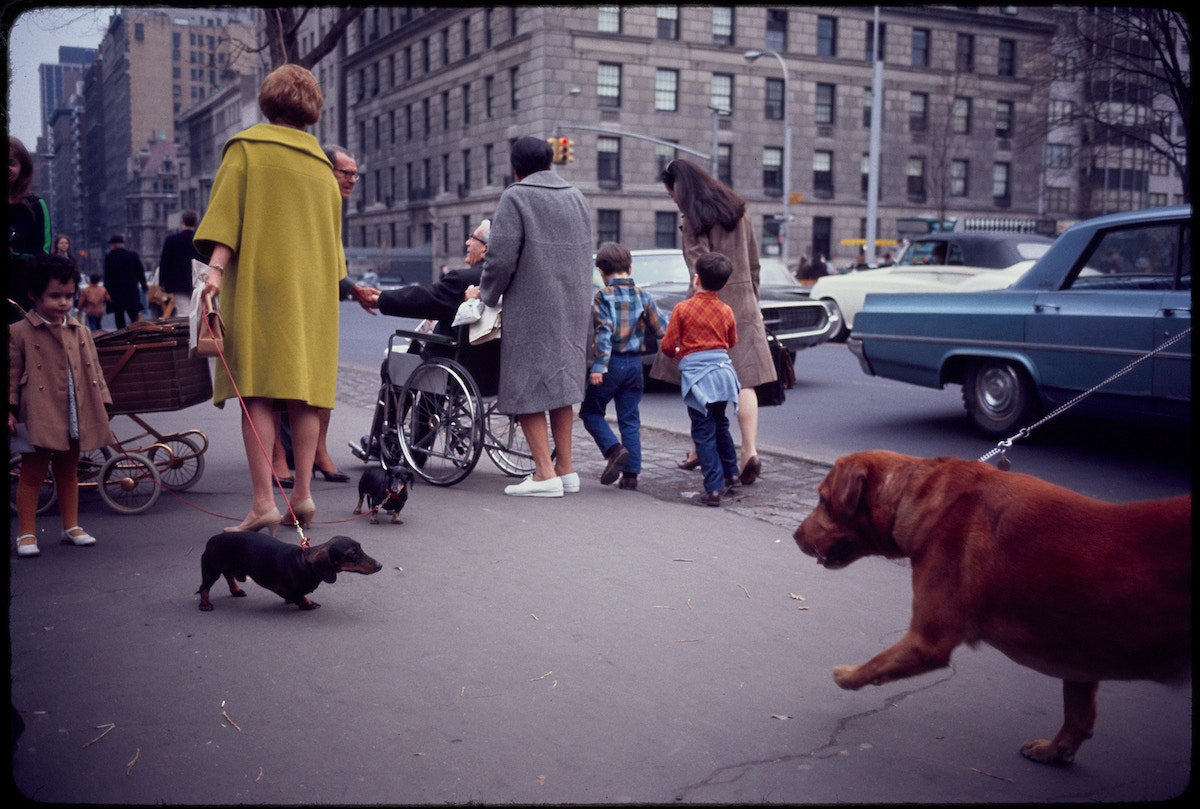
1046,307
1172,311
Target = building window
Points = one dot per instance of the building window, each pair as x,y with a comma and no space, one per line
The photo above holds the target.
666,90
608,84
914,171
826,107
608,19
1064,67
869,50
408,122
774,107
512,88
725,164
663,155
722,25
608,226
446,173
488,88
425,55
1058,156
959,171
868,98
139,31
964,53
776,35
864,173
1007,58
445,110
1061,112
466,37
487,29
666,229
822,235
918,112
466,96
826,36
668,22
608,162
1005,110
445,46
466,169
425,114
408,73
823,173
921,40
772,163
721,96
1001,179
489,164
960,116
1058,200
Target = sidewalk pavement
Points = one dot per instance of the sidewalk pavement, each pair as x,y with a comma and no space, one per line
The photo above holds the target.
606,647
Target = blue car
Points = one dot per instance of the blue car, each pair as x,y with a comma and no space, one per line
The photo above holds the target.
1108,292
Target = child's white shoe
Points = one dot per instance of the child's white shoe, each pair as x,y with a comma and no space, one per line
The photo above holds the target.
27,545
82,538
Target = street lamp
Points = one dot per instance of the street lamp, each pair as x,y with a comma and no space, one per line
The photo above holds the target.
574,91
750,56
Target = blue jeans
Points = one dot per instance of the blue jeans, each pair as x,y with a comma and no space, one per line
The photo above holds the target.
714,445
622,385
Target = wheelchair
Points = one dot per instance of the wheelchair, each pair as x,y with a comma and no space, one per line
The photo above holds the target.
432,418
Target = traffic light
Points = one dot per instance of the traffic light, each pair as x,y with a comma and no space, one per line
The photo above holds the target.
568,150
557,145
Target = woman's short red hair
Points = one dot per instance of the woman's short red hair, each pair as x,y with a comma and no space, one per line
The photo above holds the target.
290,95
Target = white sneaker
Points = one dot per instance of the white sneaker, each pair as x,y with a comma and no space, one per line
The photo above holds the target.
551,487
570,482
27,548
78,539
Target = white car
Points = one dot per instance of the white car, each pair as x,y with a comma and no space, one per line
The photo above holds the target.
939,262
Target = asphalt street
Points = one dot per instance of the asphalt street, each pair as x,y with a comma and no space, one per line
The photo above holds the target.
606,647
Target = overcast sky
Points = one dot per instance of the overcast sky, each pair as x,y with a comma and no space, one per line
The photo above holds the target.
35,39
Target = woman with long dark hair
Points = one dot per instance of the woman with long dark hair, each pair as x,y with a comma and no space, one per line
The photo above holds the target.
28,223
715,220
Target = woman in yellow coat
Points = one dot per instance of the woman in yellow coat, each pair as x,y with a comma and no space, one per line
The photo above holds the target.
273,231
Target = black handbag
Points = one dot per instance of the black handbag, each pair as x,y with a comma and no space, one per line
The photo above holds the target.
772,394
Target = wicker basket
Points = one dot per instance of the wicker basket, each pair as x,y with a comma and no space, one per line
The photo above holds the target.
148,368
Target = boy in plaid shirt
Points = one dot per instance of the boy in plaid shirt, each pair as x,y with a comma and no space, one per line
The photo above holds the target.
701,331
621,313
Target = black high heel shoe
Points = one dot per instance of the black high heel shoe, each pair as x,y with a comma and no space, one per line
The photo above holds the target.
331,477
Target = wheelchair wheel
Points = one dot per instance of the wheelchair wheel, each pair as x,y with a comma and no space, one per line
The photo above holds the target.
129,483
179,461
439,422
505,443
47,497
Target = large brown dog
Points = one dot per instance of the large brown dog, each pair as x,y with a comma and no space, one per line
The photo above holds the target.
1072,587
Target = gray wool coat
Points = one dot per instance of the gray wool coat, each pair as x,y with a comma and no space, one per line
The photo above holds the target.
751,356
539,258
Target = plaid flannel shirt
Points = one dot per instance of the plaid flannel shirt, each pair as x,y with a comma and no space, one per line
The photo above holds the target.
621,312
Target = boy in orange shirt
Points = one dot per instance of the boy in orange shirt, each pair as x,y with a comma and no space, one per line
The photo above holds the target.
93,300
699,335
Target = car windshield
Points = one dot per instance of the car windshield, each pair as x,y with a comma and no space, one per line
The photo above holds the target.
667,268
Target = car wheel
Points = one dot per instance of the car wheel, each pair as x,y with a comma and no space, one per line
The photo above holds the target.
999,396
841,332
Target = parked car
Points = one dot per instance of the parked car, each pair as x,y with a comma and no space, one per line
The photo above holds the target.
1107,292
797,321
939,262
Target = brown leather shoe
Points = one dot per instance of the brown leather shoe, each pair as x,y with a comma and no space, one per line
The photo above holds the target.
628,481
689,464
751,471
711,499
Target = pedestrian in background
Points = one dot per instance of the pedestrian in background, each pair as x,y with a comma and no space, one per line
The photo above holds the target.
539,259
702,331
94,300
621,315
175,264
273,234
62,247
56,390
28,224
125,280
716,219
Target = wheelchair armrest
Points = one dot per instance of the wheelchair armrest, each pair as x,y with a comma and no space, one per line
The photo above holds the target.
427,337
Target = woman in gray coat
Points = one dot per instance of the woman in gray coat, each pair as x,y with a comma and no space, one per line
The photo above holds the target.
539,259
715,219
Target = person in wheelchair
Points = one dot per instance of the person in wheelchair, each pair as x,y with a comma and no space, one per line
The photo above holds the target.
439,301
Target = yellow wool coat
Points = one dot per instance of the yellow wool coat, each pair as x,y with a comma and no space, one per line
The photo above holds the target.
276,203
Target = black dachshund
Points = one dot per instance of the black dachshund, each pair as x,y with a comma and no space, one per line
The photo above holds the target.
384,489
288,570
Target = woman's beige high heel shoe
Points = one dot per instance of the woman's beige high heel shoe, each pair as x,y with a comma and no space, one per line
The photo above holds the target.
269,520
304,511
